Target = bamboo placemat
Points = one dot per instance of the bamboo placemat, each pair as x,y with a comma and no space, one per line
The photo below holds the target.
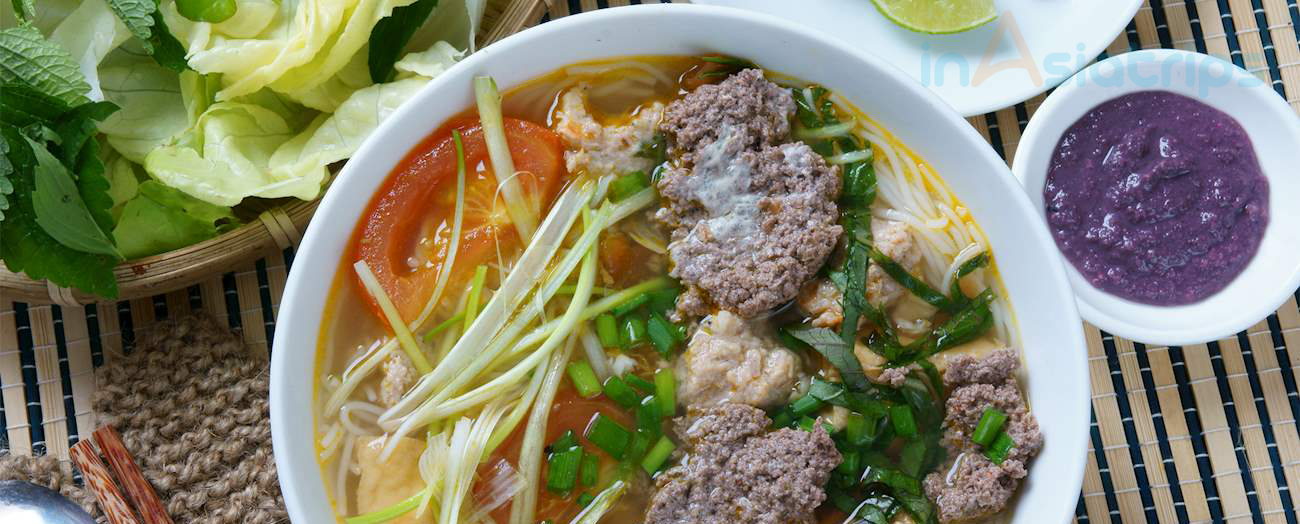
1203,433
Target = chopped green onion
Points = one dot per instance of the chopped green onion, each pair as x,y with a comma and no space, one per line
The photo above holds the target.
806,405
608,435
390,512
900,416
475,294
850,463
569,289
631,304
633,333
455,319
566,442
621,393
997,452
662,334
639,383
583,378
628,185
807,423
641,441
912,459
666,391
783,419
585,499
607,330
855,429
562,470
988,427
395,321
664,299
655,458
589,470
647,414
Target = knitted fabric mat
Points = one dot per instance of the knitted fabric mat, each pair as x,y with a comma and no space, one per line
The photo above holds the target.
190,404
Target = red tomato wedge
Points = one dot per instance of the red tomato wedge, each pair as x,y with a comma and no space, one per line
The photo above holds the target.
405,233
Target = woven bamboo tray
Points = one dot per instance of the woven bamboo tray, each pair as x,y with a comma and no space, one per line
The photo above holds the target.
1194,434
276,229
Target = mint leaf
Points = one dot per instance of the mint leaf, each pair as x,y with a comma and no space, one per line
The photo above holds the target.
77,126
167,50
25,247
6,170
138,17
59,208
26,57
391,34
24,9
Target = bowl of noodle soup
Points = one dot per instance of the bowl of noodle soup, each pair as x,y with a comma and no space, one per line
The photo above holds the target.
389,371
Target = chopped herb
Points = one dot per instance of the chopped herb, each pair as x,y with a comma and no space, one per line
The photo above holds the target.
611,437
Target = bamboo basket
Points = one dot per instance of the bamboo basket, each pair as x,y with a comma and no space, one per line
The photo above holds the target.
275,230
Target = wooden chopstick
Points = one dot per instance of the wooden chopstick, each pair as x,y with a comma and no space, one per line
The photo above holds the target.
129,475
100,481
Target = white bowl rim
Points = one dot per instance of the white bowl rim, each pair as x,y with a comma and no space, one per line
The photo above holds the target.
1098,307
1071,353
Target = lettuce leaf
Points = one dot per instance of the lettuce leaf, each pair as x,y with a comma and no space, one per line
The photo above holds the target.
89,33
222,159
161,219
152,108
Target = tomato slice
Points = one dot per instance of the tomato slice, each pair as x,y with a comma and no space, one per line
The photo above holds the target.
405,233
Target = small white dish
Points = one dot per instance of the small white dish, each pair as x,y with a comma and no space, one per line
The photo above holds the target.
1271,276
1059,37
1056,367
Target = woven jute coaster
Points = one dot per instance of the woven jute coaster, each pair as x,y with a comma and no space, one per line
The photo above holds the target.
191,406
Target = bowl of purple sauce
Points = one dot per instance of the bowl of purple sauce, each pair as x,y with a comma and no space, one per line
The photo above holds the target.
1167,180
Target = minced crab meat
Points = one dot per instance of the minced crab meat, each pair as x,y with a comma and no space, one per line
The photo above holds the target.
739,473
969,487
820,299
604,149
399,374
733,360
751,216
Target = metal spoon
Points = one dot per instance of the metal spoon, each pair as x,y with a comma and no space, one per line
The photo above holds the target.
26,503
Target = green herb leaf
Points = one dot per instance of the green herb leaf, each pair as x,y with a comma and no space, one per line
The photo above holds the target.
976,262
167,50
391,34
137,16
913,284
24,9
60,210
25,247
6,170
28,58
839,353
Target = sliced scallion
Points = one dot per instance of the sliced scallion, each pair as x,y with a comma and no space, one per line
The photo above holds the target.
627,185
658,455
806,405
904,422
562,470
633,332
589,470
609,436
607,330
443,326
666,392
475,295
1001,447
521,208
621,393
631,304
990,424
647,414
662,334
637,382
583,378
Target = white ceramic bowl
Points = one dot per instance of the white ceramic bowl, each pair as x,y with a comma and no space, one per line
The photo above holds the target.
1056,357
1271,276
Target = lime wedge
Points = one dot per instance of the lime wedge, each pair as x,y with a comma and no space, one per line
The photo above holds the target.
938,16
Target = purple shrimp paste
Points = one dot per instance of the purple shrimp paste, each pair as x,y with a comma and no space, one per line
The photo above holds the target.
1156,198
